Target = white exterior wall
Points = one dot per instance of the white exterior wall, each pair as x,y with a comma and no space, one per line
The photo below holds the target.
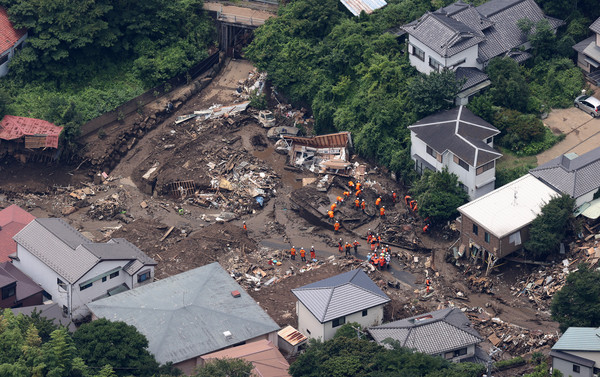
134,278
42,275
594,356
11,53
470,56
418,147
308,324
374,317
566,368
585,198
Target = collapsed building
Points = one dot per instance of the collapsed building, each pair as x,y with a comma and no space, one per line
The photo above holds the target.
29,138
321,154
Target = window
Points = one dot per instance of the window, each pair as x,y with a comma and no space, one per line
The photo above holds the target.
65,310
487,237
86,286
3,59
418,52
433,153
485,167
143,276
114,274
475,229
489,140
104,279
461,61
576,368
461,163
434,64
9,291
460,352
61,283
365,312
338,322
430,151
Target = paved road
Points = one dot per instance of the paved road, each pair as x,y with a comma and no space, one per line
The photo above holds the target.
582,133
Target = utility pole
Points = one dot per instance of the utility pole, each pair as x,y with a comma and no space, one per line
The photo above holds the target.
490,362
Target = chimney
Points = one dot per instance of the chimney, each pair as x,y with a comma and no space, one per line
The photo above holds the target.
227,335
236,294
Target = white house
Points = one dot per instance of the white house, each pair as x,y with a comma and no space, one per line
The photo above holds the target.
458,140
464,38
324,306
577,176
446,332
74,271
577,352
588,53
11,40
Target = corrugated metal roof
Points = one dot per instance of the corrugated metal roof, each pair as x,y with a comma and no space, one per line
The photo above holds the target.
291,335
8,34
339,140
579,339
12,220
14,127
445,330
185,315
510,207
367,6
340,295
65,250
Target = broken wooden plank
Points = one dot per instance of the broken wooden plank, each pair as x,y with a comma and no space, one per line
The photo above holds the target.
167,234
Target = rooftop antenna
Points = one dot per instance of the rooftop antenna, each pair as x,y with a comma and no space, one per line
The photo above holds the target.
514,196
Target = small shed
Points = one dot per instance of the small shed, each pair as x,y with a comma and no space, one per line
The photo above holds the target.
291,340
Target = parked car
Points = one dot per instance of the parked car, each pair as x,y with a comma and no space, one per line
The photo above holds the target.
588,104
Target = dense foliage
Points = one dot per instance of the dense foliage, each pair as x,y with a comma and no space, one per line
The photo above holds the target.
438,195
550,227
348,356
578,302
225,368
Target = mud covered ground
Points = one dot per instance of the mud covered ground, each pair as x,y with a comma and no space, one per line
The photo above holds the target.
204,225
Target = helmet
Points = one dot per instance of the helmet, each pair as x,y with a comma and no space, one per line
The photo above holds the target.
294,247
313,246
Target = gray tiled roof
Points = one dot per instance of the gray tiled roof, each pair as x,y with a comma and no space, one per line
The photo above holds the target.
575,177
472,76
53,312
580,46
459,131
432,333
493,25
340,295
70,254
185,315
595,26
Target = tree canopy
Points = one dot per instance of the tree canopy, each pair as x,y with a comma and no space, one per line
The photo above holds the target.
225,368
578,302
438,195
551,226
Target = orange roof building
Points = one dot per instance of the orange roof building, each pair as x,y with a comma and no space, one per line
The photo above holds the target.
12,220
266,358
10,39
37,133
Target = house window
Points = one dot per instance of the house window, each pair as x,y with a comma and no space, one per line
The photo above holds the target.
461,163
460,352
114,274
308,331
418,52
475,229
485,167
9,291
576,368
86,286
104,279
434,64
61,283
489,140
143,276
487,237
463,187
461,61
365,312
434,154
65,310
3,59
338,322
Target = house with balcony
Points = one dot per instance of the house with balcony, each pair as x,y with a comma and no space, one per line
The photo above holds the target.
588,53
11,40
465,38
460,141
73,270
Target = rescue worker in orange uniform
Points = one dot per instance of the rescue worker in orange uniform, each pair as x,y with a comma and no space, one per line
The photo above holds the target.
339,199
426,228
245,227
394,197
293,253
369,236
302,254
363,205
346,194
333,206
407,199
340,246
378,201
358,186
347,247
313,255
357,203
336,226
330,213
350,184
382,211
356,245
381,262
358,192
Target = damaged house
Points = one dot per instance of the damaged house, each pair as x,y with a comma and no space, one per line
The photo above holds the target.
28,138
321,154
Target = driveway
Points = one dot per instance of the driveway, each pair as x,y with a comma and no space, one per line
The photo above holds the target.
581,130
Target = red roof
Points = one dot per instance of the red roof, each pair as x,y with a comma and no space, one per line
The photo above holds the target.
12,220
8,35
13,127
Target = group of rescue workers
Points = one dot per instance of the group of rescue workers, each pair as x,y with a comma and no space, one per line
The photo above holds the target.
380,255
313,254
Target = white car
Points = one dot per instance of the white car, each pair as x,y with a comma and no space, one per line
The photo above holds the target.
588,104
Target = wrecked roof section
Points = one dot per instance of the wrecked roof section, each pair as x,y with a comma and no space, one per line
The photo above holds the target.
339,140
14,127
367,6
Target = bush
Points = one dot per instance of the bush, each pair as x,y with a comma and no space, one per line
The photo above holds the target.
258,101
506,364
518,129
539,146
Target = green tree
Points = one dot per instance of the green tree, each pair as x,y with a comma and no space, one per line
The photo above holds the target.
577,304
350,330
438,195
225,368
509,88
117,344
543,40
434,92
551,226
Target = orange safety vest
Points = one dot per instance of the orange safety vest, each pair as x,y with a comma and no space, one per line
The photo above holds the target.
356,243
346,193
358,192
394,196
336,226
339,198
378,201
293,251
351,184
382,211
330,213
382,261
245,228
312,254
302,252
358,186
333,206
407,199
357,203
363,205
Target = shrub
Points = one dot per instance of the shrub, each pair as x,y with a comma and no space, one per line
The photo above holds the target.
506,364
